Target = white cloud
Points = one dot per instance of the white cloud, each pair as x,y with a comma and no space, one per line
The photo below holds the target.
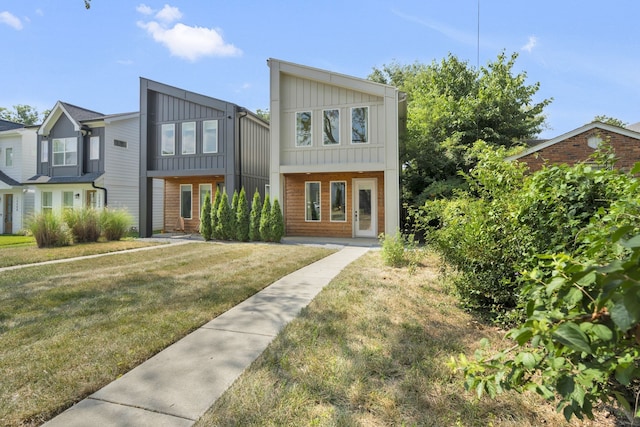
169,14
39,12
533,41
144,9
182,40
10,20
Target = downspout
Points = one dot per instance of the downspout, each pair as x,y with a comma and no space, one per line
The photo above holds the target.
93,184
241,114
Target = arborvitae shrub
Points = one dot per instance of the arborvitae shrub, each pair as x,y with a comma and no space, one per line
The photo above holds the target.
265,220
254,217
277,222
214,215
205,218
225,218
242,217
233,224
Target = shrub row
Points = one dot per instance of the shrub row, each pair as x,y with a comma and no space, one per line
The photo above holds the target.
224,221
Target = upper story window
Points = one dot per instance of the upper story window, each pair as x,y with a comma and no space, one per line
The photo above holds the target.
189,138
331,127
44,151
360,125
168,139
8,156
65,151
303,129
210,136
94,148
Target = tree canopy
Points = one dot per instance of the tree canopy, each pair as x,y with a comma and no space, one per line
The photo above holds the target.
450,106
23,114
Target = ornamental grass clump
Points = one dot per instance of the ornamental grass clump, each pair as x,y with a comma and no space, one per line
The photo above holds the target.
115,223
50,231
84,224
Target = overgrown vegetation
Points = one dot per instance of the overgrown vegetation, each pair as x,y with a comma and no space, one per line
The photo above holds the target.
49,230
554,253
84,224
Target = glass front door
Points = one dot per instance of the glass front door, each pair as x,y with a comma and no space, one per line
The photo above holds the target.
365,200
8,214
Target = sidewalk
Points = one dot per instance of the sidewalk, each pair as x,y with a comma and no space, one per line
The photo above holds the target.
178,385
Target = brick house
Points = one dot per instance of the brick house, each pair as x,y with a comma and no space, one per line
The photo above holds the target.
577,145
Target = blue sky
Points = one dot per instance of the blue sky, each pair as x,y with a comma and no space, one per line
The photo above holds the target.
585,54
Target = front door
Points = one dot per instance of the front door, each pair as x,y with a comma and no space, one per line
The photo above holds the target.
8,214
365,220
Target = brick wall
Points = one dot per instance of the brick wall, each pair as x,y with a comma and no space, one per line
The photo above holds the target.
575,149
172,201
294,206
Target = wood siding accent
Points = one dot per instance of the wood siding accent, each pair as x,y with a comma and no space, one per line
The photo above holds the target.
294,207
172,201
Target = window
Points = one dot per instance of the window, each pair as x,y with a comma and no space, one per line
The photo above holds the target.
360,125
204,190
303,129
210,136
92,199
65,151
331,127
44,151
119,143
189,138
594,141
168,139
338,204
47,202
312,199
94,148
185,201
8,156
67,200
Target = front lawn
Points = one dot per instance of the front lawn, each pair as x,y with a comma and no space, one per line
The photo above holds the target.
66,330
14,241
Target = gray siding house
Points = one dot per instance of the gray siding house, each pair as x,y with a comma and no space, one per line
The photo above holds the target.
195,144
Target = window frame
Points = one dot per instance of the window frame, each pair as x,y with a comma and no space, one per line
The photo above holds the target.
344,201
302,135
200,194
307,212
336,134
183,138
44,151
66,206
94,148
46,208
8,157
164,143
366,125
190,186
205,136
65,151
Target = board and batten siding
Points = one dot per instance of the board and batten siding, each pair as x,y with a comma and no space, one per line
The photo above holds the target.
121,176
252,162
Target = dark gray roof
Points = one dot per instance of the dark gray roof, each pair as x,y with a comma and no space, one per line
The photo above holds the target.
81,114
83,179
8,180
7,125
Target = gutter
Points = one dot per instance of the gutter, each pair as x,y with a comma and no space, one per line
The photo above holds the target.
93,184
242,113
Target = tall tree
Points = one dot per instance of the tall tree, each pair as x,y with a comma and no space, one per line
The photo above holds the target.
23,114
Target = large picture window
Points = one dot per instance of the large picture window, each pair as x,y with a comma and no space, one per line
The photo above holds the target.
312,200
360,125
94,148
331,127
168,139
303,129
338,201
47,202
65,151
185,201
210,136
189,138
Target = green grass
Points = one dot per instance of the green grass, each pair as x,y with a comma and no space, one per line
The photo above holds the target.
66,330
28,253
371,350
16,241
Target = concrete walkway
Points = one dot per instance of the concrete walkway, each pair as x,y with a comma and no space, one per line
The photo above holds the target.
177,386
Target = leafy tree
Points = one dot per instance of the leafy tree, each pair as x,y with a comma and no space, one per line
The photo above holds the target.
205,218
610,121
263,114
23,114
225,218
450,106
265,220
214,215
277,222
254,217
242,217
87,4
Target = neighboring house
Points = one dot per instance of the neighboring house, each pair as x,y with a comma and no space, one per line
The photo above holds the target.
17,163
195,144
334,152
87,159
579,144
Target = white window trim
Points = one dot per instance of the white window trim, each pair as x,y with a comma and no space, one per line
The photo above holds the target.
191,206
182,138
7,157
337,135
44,151
295,129
217,123
367,122
65,151
344,196
306,198
162,127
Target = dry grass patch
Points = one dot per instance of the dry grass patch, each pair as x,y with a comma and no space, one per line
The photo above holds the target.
67,330
371,350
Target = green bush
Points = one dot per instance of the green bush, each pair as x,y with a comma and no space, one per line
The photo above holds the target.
265,220
84,224
115,223
205,218
215,220
277,222
254,217
399,250
50,231
225,219
242,217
